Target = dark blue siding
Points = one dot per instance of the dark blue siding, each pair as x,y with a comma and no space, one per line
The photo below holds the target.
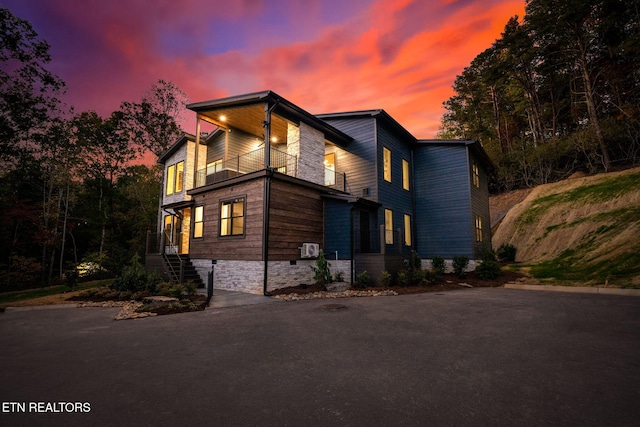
337,229
443,217
391,194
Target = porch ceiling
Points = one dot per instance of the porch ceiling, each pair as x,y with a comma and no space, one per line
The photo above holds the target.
248,119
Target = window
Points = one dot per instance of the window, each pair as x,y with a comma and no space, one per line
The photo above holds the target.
232,217
198,222
405,174
175,178
478,228
407,230
386,163
330,169
476,175
388,226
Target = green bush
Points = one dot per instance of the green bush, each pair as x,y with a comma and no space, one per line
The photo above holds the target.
418,277
338,277
403,278
438,265
489,268
385,279
135,278
460,264
363,280
321,271
506,253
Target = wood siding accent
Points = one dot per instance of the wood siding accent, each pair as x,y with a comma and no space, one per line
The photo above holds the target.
443,219
216,148
247,247
295,217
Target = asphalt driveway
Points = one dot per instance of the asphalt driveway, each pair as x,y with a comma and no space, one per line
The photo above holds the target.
469,357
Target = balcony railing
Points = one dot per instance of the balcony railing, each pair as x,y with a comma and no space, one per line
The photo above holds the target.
254,161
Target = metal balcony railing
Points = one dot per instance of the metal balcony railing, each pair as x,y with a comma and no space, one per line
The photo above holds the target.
254,161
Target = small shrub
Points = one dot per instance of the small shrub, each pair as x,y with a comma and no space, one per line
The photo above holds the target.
403,278
135,278
418,277
416,261
338,277
321,271
363,280
460,264
506,253
489,268
438,265
385,279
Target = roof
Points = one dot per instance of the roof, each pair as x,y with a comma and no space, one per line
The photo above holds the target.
280,105
180,142
473,145
379,114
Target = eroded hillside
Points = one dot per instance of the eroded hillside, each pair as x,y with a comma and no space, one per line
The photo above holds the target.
582,229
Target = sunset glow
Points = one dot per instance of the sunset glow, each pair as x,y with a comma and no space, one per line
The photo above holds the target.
326,56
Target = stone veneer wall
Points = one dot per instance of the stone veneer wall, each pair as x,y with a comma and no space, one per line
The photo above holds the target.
311,156
247,276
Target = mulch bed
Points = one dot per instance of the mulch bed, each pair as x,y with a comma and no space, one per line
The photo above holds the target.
449,282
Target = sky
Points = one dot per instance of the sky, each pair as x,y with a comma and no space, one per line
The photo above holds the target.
324,56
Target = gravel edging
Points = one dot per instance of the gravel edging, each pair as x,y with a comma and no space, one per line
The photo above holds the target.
344,294
127,308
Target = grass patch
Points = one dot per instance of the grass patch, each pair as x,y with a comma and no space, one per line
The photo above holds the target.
10,297
602,191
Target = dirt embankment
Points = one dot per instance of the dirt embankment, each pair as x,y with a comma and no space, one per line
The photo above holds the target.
592,220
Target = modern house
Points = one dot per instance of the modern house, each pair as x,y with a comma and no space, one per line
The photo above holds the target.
255,200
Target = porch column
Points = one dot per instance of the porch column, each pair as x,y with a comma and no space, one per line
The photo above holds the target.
267,135
195,156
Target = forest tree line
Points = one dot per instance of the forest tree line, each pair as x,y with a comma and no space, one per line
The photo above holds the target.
72,184
558,92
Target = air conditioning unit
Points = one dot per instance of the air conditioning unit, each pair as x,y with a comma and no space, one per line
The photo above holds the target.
310,250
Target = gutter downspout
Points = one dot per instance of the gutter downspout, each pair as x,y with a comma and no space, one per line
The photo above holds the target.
267,193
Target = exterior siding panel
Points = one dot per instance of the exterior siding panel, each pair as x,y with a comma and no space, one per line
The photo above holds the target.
443,212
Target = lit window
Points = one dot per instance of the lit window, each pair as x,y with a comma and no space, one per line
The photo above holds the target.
175,178
388,226
171,176
330,169
476,175
405,174
232,217
386,163
179,176
198,222
478,228
407,230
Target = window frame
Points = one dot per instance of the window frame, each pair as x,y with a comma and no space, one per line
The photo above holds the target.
475,172
407,230
198,225
388,232
174,178
405,175
478,229
386,164
231,202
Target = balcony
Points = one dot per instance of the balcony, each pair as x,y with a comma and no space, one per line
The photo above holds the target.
253,161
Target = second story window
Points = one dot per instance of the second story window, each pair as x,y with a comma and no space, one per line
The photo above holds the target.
405,174
175,178
476,175
232,217
330,169
386,163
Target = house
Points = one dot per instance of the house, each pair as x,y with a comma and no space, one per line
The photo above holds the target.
255,200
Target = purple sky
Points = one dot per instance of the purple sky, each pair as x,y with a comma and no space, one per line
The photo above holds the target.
325,56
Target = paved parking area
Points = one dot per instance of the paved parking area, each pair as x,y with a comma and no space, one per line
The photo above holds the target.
469,357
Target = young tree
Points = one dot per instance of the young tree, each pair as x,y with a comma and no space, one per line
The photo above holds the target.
154,121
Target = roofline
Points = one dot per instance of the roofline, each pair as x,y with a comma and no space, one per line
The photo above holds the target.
378,113
473,144
186,136
282,105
